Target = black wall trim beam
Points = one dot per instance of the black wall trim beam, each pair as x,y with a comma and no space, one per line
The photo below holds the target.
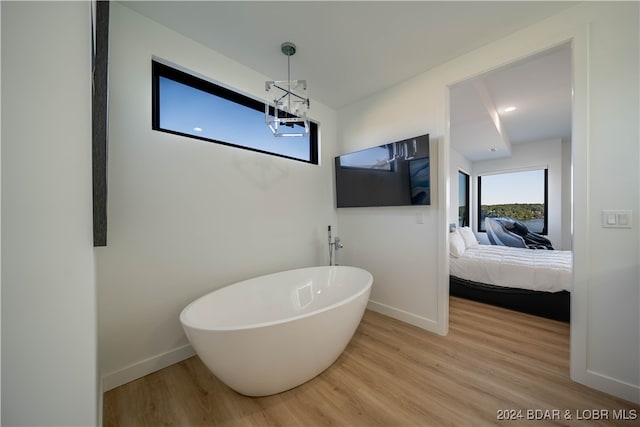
100,129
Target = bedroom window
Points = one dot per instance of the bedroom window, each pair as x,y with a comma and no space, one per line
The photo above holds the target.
183,104
463,199
518,195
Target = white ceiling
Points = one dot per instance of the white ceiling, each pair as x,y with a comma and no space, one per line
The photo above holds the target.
540,89
348,50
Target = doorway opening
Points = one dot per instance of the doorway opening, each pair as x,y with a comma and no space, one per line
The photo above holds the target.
506,124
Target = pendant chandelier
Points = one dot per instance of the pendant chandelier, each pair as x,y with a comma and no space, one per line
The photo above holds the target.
287,102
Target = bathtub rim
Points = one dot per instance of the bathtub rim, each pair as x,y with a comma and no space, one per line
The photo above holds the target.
252,326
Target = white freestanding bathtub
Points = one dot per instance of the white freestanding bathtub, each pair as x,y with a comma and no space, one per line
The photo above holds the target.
268,334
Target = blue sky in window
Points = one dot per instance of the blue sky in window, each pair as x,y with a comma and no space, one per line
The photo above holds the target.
371,158
516,187
194,112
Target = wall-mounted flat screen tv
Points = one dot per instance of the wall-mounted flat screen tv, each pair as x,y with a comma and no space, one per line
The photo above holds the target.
394,174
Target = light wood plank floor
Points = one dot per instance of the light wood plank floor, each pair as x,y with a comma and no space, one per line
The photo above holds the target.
394,374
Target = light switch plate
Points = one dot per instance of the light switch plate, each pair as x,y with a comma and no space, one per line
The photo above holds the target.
617,219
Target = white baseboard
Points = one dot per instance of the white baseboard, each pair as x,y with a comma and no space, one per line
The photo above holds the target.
145,367
100,390
411,318
621,389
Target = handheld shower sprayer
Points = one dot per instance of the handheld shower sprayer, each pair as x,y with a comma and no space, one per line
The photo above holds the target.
333,245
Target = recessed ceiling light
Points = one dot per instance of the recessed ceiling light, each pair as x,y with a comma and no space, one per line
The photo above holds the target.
509,109
198,129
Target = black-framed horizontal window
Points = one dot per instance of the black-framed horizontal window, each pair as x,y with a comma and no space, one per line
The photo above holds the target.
521,195
186,105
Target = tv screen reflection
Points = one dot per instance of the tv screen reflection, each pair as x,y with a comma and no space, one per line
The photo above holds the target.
394,174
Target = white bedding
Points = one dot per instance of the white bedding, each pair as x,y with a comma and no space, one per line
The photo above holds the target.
538,270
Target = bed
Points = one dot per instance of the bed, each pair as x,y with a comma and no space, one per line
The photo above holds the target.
531,281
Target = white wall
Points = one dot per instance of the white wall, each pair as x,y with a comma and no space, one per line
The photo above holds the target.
185,216
395,245
0,219
539,154
398,245
613,268
605,152
49,366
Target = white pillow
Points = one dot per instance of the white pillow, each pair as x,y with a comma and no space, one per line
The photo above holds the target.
468,237
456,244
